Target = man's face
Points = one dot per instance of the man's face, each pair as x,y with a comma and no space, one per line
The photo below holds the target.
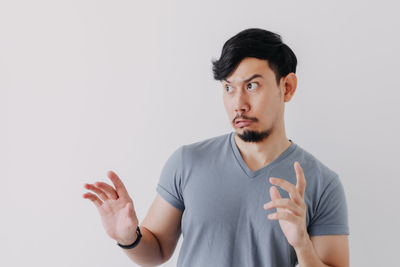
251,93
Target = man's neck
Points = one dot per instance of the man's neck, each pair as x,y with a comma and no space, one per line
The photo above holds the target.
258,155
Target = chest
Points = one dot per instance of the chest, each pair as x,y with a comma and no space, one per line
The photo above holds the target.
230,201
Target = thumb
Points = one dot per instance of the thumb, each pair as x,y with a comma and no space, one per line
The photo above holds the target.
131,214
274,193
129,209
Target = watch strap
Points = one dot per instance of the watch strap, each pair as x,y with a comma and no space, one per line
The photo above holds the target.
134,244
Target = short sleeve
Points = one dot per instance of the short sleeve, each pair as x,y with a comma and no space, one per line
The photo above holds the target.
331,216
170,183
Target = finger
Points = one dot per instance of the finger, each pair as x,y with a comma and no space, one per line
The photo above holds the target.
274,193
284,203
98,191
93,198
282,215
130,210
285,185
301,180
108,189
119,186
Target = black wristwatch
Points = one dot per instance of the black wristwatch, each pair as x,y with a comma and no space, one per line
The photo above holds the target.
134,244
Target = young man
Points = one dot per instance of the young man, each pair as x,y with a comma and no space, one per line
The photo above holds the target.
251,197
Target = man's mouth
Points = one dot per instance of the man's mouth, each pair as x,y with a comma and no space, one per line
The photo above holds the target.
242,123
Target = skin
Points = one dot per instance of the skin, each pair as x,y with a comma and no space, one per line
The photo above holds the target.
262,101
160,229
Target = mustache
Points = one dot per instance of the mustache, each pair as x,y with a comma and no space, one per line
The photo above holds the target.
244,117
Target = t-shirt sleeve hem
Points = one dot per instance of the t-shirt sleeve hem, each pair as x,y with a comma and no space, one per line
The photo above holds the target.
336,229
170,198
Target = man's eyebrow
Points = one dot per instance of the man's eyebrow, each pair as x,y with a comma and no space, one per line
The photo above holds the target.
248,79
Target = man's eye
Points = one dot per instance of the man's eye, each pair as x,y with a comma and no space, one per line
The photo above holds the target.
252,85
227,87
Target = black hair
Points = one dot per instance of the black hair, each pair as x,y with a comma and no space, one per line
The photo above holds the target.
258,43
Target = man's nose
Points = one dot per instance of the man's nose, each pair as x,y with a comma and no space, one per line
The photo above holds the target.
241,102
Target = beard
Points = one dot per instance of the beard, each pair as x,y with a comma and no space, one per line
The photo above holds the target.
254,136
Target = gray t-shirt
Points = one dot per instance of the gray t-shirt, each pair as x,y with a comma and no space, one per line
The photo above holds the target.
224,222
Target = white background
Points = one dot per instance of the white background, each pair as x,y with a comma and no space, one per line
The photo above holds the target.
91,86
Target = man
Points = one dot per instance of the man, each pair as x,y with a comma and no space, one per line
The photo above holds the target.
221,193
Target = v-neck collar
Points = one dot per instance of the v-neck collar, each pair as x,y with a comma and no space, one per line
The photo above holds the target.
246,169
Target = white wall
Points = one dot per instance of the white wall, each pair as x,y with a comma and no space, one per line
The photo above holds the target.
89,86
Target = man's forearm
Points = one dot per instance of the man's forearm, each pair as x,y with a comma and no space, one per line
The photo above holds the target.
307,256
147,252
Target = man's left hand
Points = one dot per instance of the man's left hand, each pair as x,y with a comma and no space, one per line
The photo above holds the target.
291,213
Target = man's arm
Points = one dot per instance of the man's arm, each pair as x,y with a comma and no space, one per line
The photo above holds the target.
317,251
332,250
160,229
327,250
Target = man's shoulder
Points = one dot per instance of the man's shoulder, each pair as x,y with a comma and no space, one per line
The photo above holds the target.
205,145
192,152
314,167
204,149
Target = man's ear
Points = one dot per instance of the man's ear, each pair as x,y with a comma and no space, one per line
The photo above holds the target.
289,84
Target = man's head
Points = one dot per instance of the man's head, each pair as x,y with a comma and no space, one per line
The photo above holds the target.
257,72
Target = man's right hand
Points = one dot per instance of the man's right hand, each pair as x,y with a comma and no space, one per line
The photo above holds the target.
116,209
